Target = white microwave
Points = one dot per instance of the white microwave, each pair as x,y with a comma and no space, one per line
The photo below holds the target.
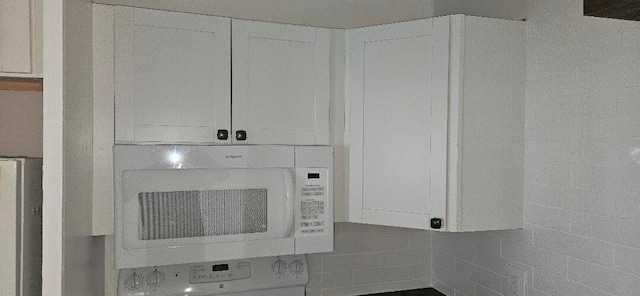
185,204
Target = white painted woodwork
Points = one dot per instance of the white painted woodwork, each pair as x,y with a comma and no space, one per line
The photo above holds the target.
172,76
418,93
21,38
337,123
390,79
52,152
68,252
490,120
280,83
103,118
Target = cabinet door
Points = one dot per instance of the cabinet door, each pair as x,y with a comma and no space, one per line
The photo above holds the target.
390,96
280,83
172,76
15,37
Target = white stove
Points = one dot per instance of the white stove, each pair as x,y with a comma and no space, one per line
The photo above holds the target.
268,276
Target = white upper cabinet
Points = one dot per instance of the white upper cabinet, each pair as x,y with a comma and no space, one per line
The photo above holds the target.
280,83
174,81
172,76
21,38
435,123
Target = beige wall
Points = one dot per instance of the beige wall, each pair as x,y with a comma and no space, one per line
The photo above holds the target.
20,123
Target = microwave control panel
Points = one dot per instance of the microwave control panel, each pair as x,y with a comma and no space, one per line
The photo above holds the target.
312,201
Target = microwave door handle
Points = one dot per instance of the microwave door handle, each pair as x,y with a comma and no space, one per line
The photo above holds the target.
288,207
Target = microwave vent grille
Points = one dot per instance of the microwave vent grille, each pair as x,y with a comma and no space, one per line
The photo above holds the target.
201,213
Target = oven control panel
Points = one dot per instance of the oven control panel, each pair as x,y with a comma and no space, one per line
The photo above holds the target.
210,273
213,278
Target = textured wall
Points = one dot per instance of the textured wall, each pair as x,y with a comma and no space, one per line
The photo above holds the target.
582,168
20,123
369,259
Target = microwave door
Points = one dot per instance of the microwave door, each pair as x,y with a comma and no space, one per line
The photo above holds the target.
164,208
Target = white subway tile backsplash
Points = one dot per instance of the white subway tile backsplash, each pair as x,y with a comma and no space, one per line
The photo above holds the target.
443,260
314,262
604,278
524,236
482,241
368,260
592,201
418,240
443,288
444,242
337,263
582,165
628,205
366,276
342,291
371,259
404,272
451,279
342,245
314,287
622,231
367,289
554,218
405,257
533,292
627,259
575,246
537,257
562,286
492,262
336,279
404,285
478,275
375,243
483,291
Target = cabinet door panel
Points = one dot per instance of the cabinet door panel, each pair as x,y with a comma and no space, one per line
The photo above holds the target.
280,83
15,36
397,114
390,86
172,76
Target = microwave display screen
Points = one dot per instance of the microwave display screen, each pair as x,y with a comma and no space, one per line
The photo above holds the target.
200,213
220,267
313,176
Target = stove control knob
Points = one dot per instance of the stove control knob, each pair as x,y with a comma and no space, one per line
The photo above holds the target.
297,266
279,267
155,278
133,281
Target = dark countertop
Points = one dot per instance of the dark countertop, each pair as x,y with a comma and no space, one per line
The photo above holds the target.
418,292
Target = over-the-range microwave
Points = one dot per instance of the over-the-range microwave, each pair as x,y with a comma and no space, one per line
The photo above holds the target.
183,204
